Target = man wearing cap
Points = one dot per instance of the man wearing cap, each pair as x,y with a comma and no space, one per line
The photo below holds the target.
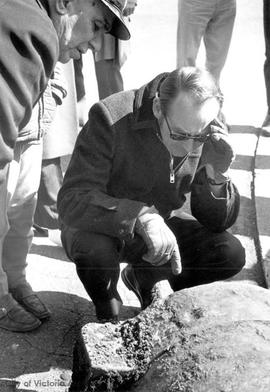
134,162
34,35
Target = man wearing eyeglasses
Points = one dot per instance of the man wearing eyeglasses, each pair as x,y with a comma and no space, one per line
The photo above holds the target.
134,162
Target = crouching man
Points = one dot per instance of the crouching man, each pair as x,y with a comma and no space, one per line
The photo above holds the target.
134,161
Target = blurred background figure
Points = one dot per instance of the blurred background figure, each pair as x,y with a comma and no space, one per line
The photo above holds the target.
210,20
80,91
111,57
107,62
266,25
58,142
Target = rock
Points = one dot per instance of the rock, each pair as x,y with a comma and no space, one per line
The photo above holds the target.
210,338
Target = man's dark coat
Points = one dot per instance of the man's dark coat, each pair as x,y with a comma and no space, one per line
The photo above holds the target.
120,165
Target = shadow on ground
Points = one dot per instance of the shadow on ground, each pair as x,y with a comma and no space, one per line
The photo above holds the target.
51,251
244,129
51,345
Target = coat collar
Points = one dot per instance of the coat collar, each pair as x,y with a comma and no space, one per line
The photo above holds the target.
143,104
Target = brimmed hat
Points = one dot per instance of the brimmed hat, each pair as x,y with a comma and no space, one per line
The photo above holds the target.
119,28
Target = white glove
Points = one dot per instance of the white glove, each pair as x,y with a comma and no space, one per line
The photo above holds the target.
160,241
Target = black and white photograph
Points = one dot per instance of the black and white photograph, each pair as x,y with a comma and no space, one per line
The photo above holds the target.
134,195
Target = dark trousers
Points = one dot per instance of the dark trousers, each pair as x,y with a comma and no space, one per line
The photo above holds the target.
206,257
79,79
51,180
108,74
266,24
109,78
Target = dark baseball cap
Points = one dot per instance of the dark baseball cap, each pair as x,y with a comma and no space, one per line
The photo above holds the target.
119,28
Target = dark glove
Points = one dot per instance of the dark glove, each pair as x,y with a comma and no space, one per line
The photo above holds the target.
160,241
218,154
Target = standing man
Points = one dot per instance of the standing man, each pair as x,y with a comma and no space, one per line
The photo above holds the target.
111,57
210,20
34,35
134,161
266,25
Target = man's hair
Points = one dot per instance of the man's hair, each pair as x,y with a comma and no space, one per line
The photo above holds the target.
192,80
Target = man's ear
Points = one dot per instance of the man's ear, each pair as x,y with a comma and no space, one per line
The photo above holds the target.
156,107
62,6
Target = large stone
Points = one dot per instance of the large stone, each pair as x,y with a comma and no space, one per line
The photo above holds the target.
210,338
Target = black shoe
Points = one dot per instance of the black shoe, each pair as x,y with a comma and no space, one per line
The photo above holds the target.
108,311
14,317
144,295
26,297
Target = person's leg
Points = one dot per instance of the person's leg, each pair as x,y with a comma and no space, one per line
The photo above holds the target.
266,25
193,17
79,78
218,36
4,227
23,315
206,257
109,78
23,182
12,316
51,180
80,91
97,259
139,276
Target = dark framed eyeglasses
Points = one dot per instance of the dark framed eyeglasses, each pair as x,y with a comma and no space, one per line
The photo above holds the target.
186,136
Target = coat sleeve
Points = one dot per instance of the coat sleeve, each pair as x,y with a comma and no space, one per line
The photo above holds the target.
28,51
83,200
217,214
